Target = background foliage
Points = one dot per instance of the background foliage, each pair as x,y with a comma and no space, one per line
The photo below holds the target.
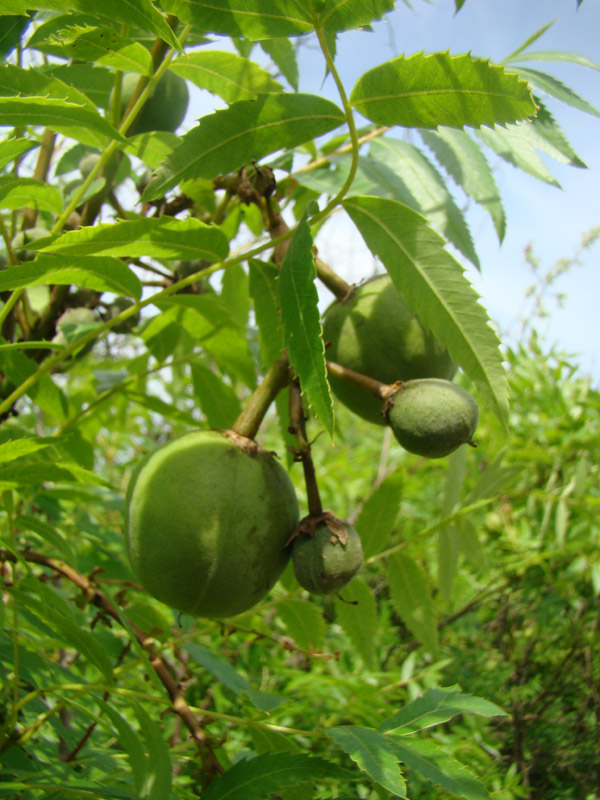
463,660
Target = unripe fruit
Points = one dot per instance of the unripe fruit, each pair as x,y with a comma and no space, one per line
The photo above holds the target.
432,417
375,333
166,107
329,559
114,309
26,236
87,163
206,523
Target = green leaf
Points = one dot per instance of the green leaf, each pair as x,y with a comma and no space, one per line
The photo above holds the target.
544,133
304,622
103,45
513,145
153,147
162,237
377,518
530,40
11,30
260,777
428,188
130,742
218,401
158,774
432,763
45,393
250,19
357,614
435,288
48,534
225,74
435,707
18,448
103,274
460,155
555,55
29,193
551,86
234,294
300,317
341,16
247,130
225,673
412,599
283,54
373,754
11,149
67,118
439,89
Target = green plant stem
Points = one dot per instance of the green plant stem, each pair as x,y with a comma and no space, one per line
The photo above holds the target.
346,148
334,282
350,121
375,387
278,376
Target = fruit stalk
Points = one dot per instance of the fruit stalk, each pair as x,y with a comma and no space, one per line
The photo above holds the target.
278,376
334,282
303,454
379,389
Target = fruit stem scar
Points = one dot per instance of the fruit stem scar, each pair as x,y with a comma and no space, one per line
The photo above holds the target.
278,376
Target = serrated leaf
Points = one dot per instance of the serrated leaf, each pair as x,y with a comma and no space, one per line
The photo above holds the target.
544,133
435,707
412,600
225,673
435,288
17,448
225,74
374,755
162,237
247,130
428,188
378,515
283,54
433,764
463,159
551,86
300,318
439,89
48,534
341,16
67,118
492,480
11,149
250,19
304,622
357,614
262,776
512,145
101,273
555,55
218,401
129,741
153,147
235,294
104,46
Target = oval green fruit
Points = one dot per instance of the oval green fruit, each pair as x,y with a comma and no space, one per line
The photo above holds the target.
375,333
432,417
166,107
323,563
114,309
206,524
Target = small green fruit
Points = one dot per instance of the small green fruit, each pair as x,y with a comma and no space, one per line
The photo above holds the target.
432,417
87,163
329,559
207,522
24,237
113,310
375,333
166,107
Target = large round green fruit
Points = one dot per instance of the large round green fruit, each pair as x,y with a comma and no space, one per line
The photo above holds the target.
375,333
432,417
325,562
206,524
166,107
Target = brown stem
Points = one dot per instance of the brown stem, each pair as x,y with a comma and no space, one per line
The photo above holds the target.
303,454
334,282
379,389
93,595
278,376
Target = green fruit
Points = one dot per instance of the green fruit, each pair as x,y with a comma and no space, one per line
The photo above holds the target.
114,309
206,524
432,417
166,107
324,563
375,333
26,236
87,163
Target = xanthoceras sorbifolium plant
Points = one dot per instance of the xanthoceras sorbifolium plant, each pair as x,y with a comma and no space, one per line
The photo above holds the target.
207,522
327,556
374,333
432,417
